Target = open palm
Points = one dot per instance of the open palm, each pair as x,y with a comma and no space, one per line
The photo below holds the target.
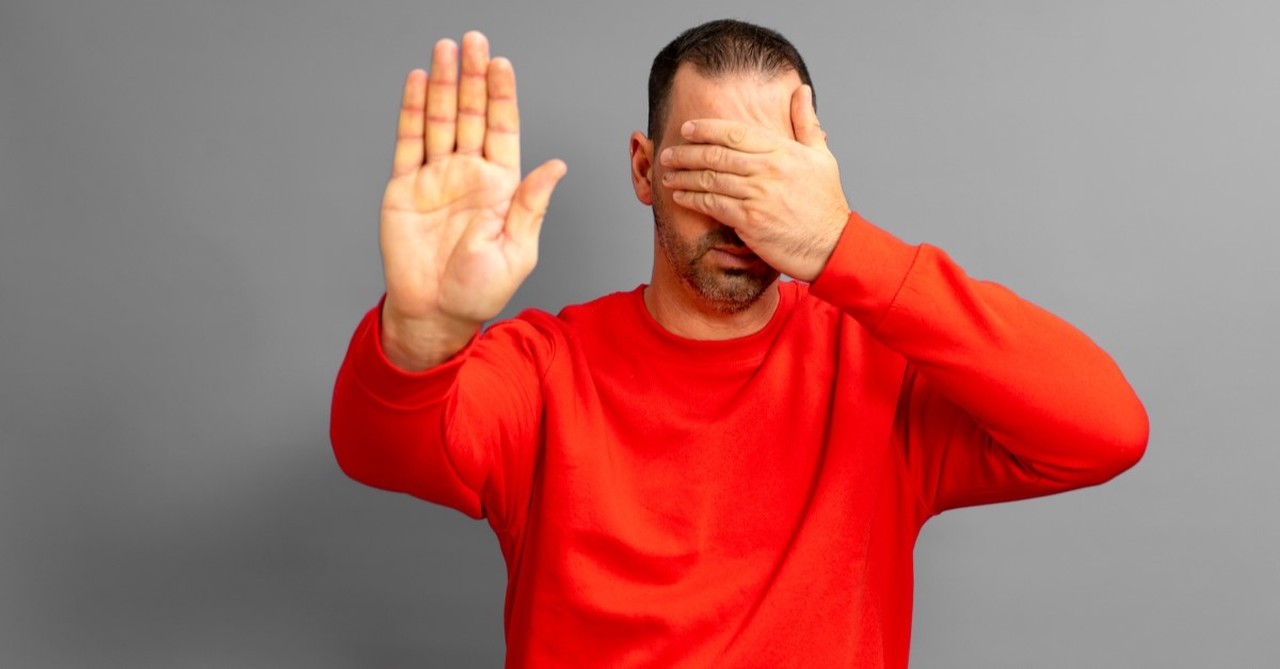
459,228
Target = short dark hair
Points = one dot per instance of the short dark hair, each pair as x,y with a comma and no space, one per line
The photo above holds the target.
716,48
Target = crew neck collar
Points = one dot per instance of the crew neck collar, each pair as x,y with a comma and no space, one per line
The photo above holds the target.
748,348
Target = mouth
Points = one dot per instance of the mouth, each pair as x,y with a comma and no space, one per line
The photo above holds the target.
736,251
734,257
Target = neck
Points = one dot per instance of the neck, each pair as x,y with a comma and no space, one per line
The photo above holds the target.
683,312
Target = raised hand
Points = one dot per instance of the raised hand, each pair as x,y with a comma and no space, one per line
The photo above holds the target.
459,228
782,197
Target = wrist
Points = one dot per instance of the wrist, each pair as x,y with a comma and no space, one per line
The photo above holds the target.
865,272
825,245
417,344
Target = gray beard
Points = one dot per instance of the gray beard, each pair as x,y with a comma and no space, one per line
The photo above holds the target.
728,291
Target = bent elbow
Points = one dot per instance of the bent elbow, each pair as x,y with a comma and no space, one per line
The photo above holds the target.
1123,443
1126,454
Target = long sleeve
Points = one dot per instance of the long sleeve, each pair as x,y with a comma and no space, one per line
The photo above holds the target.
462,434
1001,400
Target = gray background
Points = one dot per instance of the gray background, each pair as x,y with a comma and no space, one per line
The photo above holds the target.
189,192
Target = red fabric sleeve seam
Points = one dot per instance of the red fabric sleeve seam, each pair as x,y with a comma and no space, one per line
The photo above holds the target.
917,486
446,445
555,350
875,329
918,493
942,466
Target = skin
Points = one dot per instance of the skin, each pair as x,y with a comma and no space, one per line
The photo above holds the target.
459,228
744,167
742,158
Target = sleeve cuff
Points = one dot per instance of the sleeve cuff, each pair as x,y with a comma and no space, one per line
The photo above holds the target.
391,384
865,272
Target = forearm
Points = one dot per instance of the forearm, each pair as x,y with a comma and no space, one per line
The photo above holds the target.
1037,385
463,433
387,425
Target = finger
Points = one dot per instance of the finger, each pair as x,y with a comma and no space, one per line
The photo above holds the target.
442,100
804,119
735,135
709,157
409,147
728,210
502,134
473,93
529,204
708,181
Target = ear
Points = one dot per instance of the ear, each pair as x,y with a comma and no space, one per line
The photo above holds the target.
642,167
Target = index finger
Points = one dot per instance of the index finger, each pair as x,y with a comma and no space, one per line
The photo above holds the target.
733,134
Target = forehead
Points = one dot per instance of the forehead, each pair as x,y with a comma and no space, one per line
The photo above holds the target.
751,97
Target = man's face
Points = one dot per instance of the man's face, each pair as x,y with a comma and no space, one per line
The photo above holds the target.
707,255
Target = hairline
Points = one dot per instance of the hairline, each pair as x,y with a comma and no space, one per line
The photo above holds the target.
714,74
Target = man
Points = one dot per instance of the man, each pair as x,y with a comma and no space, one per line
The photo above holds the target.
718,469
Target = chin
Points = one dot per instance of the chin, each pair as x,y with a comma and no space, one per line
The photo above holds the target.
728,290
731,291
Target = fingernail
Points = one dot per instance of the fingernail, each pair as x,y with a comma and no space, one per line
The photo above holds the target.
666,156
687,128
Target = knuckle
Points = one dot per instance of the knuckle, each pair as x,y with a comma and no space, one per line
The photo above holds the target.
737,134
715,155
707,179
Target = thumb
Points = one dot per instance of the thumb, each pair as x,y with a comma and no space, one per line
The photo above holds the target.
529,204
804,119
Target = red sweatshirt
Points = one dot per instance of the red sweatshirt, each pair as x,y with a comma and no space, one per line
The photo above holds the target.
665,502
